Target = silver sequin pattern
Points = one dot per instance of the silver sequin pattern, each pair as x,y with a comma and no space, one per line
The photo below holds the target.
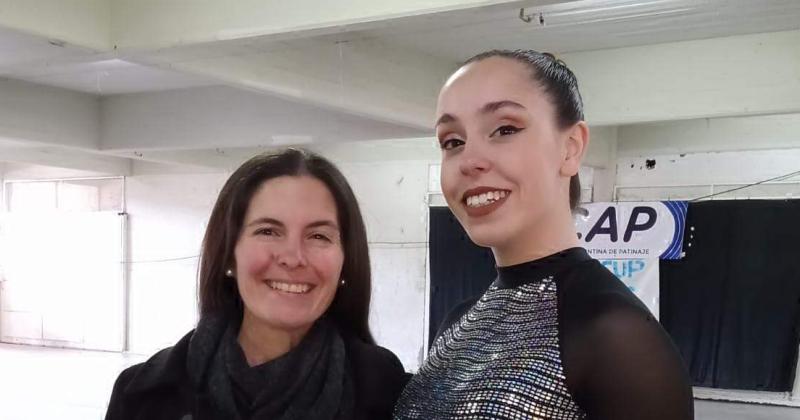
501,360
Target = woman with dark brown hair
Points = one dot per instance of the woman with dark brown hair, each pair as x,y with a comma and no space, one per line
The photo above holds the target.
284,287
556,336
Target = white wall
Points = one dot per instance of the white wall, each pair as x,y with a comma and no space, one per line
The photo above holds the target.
392,196
2,208
167,215
167,209
602,158
34,318
692,154
709,167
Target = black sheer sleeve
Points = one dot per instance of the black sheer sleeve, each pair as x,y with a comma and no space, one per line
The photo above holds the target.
619,363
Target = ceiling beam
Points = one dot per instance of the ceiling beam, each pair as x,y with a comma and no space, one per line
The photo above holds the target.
67,158
719,77
362,78
47,115
711,135
80,23
159,24
222,117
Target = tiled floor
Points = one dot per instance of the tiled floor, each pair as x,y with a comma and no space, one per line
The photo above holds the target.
717,410
38,383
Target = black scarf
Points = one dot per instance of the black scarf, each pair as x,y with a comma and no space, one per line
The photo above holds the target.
311,381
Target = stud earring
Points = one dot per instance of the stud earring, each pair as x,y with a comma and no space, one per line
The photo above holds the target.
229,273
342,283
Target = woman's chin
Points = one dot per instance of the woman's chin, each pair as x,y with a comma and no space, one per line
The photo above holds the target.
486,235
288,320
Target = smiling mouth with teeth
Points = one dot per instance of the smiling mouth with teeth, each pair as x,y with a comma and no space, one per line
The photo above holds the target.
484,199
295,288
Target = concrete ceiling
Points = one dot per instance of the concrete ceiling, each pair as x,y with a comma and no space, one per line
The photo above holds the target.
134,79
108,77
56,63
19,49
586,25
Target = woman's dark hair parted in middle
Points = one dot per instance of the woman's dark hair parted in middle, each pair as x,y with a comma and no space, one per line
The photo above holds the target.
559,83
350,307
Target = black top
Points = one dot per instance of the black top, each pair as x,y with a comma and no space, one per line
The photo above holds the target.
162,387
556,338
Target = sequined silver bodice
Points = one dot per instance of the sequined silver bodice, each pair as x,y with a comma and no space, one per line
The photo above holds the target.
501,360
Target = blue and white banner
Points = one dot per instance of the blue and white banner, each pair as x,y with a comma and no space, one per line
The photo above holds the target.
633,230
630,238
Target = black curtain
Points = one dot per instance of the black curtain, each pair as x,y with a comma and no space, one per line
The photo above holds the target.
732,305
460,270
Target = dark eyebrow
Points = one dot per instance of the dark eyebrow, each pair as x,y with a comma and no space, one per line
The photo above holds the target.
271,221
486,109
494,106
324,223
444,119
265,221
